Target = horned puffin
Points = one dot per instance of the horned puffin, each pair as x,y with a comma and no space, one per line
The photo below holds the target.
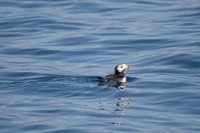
119,74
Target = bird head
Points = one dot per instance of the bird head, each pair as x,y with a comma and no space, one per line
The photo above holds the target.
121,67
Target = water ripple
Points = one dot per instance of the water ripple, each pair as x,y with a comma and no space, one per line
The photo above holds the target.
52,52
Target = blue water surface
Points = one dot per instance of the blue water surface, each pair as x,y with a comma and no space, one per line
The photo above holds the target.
51,53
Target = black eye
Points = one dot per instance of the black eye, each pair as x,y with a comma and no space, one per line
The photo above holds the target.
121,66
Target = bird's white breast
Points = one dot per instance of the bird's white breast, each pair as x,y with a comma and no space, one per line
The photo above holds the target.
124,79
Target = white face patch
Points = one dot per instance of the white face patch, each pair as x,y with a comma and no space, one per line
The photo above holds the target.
121,67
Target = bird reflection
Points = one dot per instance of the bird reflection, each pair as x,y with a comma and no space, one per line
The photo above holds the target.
123,103
121,106
119,85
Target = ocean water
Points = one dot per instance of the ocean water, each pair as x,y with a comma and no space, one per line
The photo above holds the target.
51,53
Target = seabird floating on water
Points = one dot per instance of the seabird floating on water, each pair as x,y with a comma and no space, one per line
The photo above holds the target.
118,76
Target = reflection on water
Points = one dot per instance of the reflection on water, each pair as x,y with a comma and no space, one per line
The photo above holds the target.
122,102
116,123
121,109
120,86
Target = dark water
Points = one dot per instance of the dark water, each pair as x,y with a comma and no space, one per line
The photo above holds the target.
51,53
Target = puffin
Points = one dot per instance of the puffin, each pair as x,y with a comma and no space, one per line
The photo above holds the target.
119,74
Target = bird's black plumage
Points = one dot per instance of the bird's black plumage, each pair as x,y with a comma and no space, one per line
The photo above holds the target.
118,76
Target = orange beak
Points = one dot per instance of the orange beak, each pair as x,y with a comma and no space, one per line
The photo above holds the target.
126,67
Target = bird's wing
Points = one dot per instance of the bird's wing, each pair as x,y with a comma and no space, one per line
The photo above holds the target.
111,77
